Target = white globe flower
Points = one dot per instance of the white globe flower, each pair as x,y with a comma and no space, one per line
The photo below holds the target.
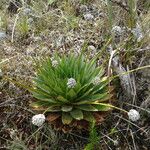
133,115
54,63
96,81
137,32
117,30
91,48
71,83
30,21
27,11
38,120
88,17
116,142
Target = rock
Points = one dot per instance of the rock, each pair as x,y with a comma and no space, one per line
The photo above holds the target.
2,35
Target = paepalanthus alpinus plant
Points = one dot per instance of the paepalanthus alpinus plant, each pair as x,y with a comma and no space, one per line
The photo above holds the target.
71,91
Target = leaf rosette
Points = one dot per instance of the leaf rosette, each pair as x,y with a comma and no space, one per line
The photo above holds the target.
75,89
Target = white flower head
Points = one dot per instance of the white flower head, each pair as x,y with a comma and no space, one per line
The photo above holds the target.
27,11
54,63
116,142
38,120
96,81
117,30
88,17
30,21
91,48
133,115
71,83
137,32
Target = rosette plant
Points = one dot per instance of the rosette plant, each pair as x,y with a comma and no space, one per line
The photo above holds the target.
71,90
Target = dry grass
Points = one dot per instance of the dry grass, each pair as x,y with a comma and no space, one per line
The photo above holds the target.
62,27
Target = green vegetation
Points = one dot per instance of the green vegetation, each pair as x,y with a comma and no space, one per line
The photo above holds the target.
54,93
74,74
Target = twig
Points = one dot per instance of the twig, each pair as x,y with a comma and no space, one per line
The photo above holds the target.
146,103
133,139
13,30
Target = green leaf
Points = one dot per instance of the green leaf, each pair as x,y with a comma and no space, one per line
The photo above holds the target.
51,1
41,104
62,99
71,94
87,107
77,114
66,108
53,109
101,107
43,98
102,87
97,96
66,118
89,117
77,87
92,98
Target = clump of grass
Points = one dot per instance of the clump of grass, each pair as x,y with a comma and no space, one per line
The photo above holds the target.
94,138
69,16
23,26
4,21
